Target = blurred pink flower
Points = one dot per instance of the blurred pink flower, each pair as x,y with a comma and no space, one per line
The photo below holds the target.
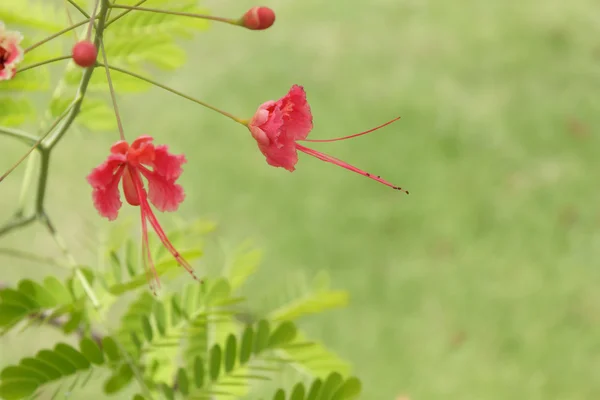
127,164
278,126
11,52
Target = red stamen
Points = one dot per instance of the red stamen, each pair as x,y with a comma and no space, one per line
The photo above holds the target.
167,243
338,162
130,189
351,136
151,272
157,228
147,256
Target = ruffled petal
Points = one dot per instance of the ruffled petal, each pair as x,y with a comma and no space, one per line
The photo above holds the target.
7,73
166,164
283,157
104,179
267,126
297,117
163,193
11,51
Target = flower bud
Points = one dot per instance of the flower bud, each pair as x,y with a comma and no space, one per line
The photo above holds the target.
258,18
85,53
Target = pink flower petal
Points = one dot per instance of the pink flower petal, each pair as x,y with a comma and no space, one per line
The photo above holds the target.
104,179
141,151
284,157
166,164
11,53
277,125
7,73
165,194
297,116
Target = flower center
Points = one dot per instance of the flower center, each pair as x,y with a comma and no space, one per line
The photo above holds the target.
3,57
129,186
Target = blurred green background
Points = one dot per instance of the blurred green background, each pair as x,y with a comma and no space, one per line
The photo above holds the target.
483,283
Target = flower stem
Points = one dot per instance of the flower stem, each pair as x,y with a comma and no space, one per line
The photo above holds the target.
88,34
112,92
57,34
124,13
230,21
55,59
81,10
178,93
38,142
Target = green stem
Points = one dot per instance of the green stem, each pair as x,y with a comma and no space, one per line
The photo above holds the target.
19,135
42,181
44,63
88,34
230,21
178,93
111,89
25,185
46,149
30,256
81,10
17,222
83,84
136,371
57,34
123,13
37,143
87,288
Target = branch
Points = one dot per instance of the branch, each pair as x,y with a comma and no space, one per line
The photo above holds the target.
19,135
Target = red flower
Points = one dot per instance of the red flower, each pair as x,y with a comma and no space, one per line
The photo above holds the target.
279,125
128,164
10,52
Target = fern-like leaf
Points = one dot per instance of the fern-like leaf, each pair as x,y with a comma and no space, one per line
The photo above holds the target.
333,387
51,298
58,364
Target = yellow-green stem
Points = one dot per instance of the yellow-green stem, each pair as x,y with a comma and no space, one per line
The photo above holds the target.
178,93
230,21
43,63
57,34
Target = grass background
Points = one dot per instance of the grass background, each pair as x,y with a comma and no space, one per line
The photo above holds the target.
483,283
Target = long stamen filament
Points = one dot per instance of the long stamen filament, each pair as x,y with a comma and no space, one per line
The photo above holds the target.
340,163
351,136
230,21
157,228
112,92
165,240
178,93
151,272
